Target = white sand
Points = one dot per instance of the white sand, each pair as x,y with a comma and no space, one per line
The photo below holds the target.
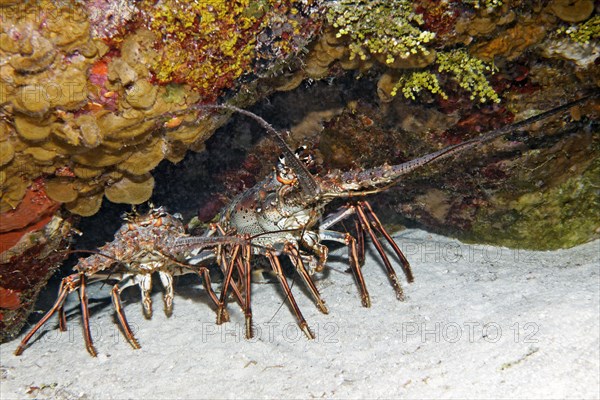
479,322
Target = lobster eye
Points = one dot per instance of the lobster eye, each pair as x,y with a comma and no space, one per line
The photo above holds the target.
300,150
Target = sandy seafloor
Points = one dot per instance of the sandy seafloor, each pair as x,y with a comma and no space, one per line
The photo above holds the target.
479,322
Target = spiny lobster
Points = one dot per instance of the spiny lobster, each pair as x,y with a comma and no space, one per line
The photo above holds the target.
145,244
285,215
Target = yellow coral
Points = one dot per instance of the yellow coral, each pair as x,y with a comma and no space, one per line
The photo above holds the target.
85,205
469,72
583,32
415,82
388,28
572,10
62,190
221,53
145,160
7,152
131,190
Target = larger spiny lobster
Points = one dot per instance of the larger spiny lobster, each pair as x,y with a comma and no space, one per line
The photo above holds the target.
284,214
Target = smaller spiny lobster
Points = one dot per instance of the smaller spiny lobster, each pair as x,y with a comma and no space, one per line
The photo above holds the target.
154,242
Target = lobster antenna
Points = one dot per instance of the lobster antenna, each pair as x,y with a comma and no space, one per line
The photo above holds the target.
396,171
91,252
224,240
307,183
491,135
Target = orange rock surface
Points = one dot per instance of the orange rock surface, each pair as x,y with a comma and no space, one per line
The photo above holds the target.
33,213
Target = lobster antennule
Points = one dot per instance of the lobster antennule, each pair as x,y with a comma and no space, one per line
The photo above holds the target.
380,178
207,241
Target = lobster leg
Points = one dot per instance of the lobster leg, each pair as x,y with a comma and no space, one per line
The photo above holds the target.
87,334
217,228
379,227
353,256
390,270
62,318
360,241
237,293
368,221
68,285
217,255
226,283
296,259
355,264
274,260
116,298
246,251
205,274
145,283
167,281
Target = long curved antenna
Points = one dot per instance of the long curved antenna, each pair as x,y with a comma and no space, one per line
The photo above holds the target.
382,178
307,183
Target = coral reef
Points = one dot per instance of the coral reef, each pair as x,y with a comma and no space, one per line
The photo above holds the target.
583,32
92,97
383,29
85,101
362,34
422,47
209,45
467,71
26,267
391,34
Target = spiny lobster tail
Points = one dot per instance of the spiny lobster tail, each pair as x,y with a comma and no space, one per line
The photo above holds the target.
384,176
307,183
